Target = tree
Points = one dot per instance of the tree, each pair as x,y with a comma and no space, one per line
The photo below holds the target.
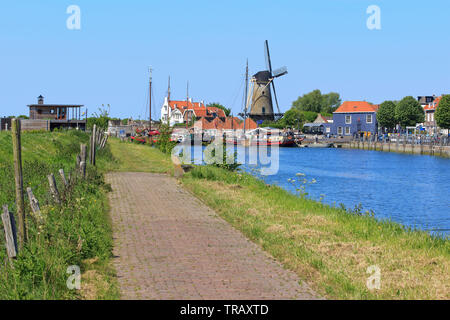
315,101
386,115
218,105
293,118
331,101
409,112
443,113
100,119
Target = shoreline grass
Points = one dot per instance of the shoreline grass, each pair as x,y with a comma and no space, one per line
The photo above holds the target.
79,232
327,247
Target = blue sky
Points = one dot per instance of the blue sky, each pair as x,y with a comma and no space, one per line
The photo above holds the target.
325,44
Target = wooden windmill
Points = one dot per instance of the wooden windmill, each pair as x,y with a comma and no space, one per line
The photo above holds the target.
260,97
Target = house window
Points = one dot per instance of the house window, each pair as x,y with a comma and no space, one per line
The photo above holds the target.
369,118
339,131
347,130
348,119
328,129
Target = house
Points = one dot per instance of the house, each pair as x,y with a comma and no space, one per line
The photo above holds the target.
178,112
425,100
321,124
355,117
55,115
430,121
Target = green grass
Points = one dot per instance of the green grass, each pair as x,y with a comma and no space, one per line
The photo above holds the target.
133,157
76,233
327,247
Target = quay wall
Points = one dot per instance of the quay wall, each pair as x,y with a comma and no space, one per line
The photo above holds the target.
424,149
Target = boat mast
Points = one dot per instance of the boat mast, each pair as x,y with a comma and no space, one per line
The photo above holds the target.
246,95
150,98
187,104
168,101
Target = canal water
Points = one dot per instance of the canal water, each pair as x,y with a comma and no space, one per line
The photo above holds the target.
413,190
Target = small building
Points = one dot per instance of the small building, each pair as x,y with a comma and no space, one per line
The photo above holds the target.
56,115
355,118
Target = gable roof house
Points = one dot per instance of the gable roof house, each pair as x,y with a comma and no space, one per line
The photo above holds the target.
178,111
430,121
355,117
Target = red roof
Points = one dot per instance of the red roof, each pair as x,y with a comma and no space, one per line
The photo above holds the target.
433,105
356,107
199,109
230,123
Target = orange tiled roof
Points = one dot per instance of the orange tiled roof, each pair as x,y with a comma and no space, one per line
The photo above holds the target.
433,105
356,106
199,109
230,123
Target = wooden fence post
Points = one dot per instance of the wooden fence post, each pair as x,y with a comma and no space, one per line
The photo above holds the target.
78,161
17,151
34,204
9,225
63,177
54,189
83,152
93,145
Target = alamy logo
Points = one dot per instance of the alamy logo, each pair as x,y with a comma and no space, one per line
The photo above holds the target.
374,20
74,281
374,281
74,20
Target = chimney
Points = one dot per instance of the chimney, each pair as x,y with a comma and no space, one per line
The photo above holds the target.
40,99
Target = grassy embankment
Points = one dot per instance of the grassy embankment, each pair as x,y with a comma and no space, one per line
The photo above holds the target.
75,233
327,247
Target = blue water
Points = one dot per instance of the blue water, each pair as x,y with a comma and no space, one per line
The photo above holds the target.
413,190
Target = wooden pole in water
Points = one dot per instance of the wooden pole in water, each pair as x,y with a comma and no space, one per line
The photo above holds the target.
17,151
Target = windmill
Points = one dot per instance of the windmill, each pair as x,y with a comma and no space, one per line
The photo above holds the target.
261,107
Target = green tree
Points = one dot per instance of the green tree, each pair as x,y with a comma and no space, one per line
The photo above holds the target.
386,115
293,118
409,112
100,119
443,113
315,101
218,105
331,101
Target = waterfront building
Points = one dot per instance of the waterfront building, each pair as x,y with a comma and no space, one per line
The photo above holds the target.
178,112
355,117
51,116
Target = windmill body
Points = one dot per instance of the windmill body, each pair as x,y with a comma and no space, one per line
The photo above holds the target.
261,108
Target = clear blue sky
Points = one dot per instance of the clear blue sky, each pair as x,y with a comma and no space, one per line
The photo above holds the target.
325,44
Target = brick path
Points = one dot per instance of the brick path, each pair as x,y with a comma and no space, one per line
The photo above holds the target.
168,245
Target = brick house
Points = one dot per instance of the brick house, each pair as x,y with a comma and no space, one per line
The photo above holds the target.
355,117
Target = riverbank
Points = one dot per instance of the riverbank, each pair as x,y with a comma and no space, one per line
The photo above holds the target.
76,233
329,248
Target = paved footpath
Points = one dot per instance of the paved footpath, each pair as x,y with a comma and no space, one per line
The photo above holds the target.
168,245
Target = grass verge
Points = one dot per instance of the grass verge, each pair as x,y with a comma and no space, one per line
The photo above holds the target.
75,233
327,247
